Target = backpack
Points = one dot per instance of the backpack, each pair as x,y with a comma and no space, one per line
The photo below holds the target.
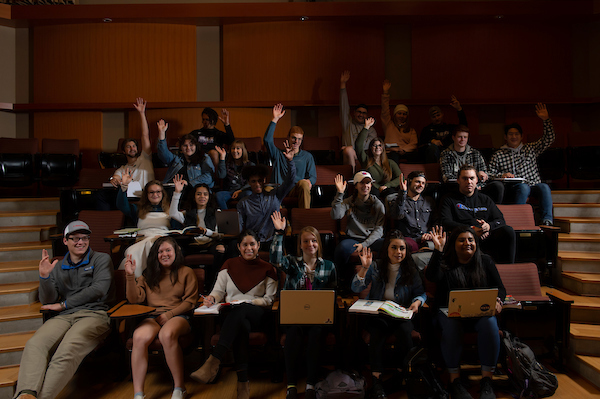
421,376
341,385
529,378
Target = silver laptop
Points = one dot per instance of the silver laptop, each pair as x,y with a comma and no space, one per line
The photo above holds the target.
228,222
471,303
306,307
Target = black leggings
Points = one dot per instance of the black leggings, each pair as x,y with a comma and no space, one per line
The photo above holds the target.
381,327
238,322
294,337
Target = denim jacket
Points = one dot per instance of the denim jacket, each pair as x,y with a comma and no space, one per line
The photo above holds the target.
196,173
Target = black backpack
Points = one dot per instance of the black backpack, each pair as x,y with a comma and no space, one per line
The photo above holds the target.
528,377
421,376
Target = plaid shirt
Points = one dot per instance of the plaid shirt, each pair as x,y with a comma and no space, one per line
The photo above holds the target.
522,161
295,270
450,162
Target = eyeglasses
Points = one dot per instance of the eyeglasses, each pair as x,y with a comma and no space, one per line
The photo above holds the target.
77,239
362,112
154,192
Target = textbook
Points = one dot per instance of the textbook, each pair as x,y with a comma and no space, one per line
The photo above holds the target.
389,308
214,309
127,232
188,230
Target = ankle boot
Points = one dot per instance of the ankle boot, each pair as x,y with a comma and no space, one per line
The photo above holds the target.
243,390
208,371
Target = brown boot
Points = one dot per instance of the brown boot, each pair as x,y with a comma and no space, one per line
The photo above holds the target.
208,371
243,390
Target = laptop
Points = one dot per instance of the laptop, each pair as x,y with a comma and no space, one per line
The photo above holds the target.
228,222
471,303
306,307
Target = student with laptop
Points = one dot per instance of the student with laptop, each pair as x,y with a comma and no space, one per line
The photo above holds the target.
457,263
392,277
308,271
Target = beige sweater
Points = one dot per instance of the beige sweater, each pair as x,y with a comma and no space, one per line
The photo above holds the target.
406,141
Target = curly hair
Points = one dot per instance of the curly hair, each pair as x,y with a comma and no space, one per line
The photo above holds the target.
153,270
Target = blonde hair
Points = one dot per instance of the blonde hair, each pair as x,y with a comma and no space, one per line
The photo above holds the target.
314,232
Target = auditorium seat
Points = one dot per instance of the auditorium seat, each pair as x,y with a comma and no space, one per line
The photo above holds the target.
17,162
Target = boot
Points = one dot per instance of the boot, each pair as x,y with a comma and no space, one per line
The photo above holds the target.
207,373
243,390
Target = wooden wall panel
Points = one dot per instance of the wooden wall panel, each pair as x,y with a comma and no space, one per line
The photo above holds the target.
495,61
114,62
245,122
301,61
84,126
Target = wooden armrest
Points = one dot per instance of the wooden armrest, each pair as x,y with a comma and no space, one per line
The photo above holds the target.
117,306
557,295
128,310
275,306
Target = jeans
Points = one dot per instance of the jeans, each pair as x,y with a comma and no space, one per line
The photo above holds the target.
541,191
488,340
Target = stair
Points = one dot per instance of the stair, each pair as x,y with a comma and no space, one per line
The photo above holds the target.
25,229
577,213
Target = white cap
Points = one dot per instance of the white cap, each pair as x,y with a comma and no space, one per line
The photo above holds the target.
77,226
360,176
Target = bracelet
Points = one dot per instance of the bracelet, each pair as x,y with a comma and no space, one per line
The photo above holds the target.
280,232
63,305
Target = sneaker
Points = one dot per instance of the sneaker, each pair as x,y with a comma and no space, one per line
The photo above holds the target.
547,223
378,392
292,393
178,394
458,390
136,396
487,391
310,394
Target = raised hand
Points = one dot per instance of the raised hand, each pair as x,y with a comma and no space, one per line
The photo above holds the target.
130,265
140,105
224,117
288,151
344,79
455,103
278,112
541,111
403,183
179,182
438,236
126,178
340,184
366,257
45,266
370,121
222,152
387,85
162,129
278,221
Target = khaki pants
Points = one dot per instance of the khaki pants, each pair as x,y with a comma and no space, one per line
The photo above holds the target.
52,356
302,191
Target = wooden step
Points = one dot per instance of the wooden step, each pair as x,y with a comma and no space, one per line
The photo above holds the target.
14,294
580,242
8,376
20,318
576,210
11,347
573,261
23,250
585,339
19,271
28,218
585,309
28,204
576,196
582,283
18,288
587,366
26,233
578,224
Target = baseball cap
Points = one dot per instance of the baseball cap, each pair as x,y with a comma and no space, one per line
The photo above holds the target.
77,226
359,176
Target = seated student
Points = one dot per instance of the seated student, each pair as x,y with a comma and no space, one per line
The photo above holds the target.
209,137
516,159
151,216
385,172
352,124
306,172
397,131
393,277
202,214
459,264
468,207
172,288
195,166
460,153
80,289
139,162
230,170
436,136
307,271
413,210
252,280
255,210
364,229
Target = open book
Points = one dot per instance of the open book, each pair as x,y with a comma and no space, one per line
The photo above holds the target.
214,309
389,308
127,232
195,230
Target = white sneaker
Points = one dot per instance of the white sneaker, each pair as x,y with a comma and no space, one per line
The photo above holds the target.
178,394
139,396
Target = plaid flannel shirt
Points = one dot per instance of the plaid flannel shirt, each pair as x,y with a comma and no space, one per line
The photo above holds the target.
325,274
523,162
449,162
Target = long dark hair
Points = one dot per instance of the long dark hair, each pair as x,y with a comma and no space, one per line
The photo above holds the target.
198,157
407,266
385,163
144,206
458,274
191,206
153,270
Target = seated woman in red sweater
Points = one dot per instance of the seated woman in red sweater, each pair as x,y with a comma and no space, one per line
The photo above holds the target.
172,289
